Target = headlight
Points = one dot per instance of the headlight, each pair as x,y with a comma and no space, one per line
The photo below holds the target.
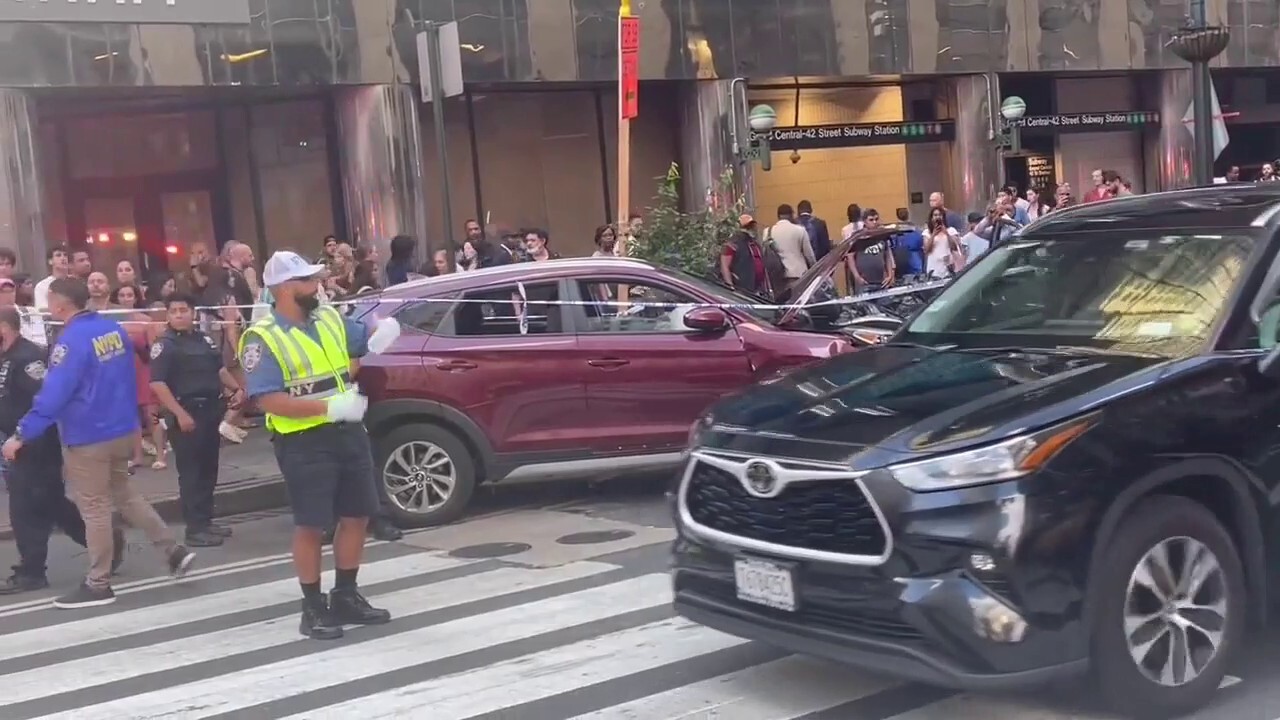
1005,460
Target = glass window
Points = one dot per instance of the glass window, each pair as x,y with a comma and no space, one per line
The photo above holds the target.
134,145
725,295
1160,294
504,311
648,308
290,149
425,316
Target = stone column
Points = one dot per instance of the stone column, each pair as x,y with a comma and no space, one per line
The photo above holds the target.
21,193
706,141
975,165
381,157
1170,152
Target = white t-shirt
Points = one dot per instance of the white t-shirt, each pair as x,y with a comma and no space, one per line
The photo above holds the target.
42,293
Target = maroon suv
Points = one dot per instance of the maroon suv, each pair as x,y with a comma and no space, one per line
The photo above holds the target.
562,369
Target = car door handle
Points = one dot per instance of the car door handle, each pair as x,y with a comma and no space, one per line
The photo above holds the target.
608,363
455,365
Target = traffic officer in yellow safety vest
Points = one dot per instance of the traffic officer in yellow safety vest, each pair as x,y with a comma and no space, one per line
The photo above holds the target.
298,363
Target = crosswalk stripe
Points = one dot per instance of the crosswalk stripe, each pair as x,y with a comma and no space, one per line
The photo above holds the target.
778,690
203,607
532,677
123,664
350,662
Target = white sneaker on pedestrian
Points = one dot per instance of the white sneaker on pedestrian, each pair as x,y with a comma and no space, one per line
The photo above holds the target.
231,432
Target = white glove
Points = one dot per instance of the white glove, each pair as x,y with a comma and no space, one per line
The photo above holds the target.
347,407
385,332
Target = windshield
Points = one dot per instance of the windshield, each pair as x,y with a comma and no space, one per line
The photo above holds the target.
727,295
1156,295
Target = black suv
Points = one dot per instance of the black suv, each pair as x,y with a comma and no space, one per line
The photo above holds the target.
1064,463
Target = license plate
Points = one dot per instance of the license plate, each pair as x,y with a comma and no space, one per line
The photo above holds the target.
765,583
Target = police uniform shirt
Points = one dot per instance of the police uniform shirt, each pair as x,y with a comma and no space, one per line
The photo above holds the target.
263,374
188,362
22,371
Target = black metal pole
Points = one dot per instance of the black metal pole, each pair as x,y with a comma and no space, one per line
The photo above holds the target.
1202,106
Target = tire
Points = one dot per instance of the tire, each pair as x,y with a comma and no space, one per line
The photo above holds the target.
1124,686
460,459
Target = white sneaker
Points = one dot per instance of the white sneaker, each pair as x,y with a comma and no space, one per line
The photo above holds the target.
231,432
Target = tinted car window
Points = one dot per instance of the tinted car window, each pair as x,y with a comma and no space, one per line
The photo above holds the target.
1160,294
648,308
506,311
426,315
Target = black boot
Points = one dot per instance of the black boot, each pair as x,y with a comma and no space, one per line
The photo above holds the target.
349,607
318,622
20,583
382,529
202,537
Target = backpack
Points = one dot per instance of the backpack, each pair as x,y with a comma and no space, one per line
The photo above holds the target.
774,268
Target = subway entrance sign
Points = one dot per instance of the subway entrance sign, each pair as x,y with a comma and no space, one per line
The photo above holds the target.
1086,122
812,137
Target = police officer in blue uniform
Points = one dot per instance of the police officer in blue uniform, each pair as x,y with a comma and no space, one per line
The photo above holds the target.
188,378
298,363
90,393
37,498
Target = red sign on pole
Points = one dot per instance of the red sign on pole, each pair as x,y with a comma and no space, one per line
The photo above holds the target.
629,66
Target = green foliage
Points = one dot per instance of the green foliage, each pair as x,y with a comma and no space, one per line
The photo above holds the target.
689,241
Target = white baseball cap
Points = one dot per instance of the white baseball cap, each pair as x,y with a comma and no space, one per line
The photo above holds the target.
285,266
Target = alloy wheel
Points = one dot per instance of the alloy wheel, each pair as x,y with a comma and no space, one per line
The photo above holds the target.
1175,613
419,477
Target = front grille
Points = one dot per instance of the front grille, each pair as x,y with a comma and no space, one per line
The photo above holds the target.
830,515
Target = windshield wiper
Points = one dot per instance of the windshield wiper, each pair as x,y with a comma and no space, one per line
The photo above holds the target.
1069,350
1089,350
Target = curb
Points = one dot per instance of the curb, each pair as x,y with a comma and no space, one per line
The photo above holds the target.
267,493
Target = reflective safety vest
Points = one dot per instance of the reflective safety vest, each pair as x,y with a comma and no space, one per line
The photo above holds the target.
312,371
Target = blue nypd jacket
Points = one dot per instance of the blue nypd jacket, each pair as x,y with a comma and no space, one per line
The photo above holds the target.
91,390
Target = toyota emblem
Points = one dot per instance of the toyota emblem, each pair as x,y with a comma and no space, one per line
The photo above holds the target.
760,478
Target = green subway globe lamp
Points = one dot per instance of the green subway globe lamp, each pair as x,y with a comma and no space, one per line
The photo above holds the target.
762,119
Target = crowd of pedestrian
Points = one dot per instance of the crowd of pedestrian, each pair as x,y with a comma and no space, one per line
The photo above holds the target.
766,261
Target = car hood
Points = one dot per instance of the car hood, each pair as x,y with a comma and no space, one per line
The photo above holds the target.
915,399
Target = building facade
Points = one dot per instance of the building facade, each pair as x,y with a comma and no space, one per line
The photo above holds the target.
140,128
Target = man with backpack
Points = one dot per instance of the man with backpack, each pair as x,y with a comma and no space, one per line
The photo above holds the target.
748,265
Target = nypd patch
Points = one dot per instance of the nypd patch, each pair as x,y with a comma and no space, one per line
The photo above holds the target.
157,349
251,356
36,370
57,354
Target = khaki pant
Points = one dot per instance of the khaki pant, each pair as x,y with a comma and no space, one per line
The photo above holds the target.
98,478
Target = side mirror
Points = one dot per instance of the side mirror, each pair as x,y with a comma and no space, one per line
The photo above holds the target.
706,319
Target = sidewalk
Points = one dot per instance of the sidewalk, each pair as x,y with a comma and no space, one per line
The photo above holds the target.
249,481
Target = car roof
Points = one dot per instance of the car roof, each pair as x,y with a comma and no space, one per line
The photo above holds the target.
522,272
1245,205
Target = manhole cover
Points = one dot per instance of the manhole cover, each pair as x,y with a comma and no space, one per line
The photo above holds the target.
595,537
490,550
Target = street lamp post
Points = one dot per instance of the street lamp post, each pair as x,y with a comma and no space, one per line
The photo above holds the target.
1198,42
1009,140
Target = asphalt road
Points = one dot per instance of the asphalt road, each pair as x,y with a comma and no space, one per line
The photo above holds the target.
537,609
